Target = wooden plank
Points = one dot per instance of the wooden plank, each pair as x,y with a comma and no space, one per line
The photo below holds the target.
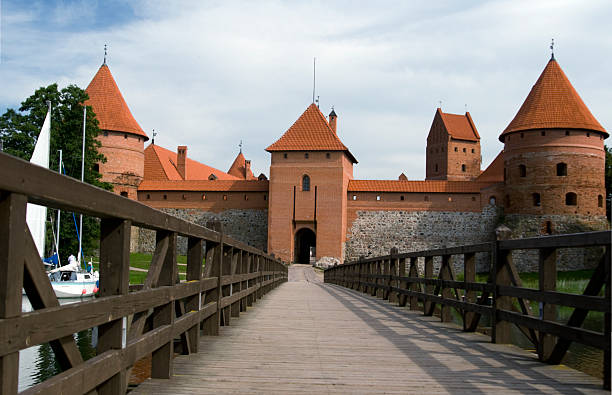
586,239
428,307
588,302
500,330
469,276
195,256
12,245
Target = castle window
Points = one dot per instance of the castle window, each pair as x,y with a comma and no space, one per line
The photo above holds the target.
354,197
212,177
184,197
571,199
507,202
456,149
547,228
139,139
472,150
464,150
165,197
473,198
265,197
124,194
285,155
305,183
148,196
436,168
543,133
504,174
97,168
105,133
426,198
522,171
203,196
441,149
492,201
599,201
377,197
561,169
402,197
125,136
328,155
567,133
246,197
536,199
588,134
306,155
450,198
224,197
463,168
522,135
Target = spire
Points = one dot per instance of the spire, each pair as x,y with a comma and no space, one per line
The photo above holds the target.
104,55
553,103
109,106
552,49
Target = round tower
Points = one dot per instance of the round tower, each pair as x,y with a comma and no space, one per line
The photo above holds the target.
121,137
554,152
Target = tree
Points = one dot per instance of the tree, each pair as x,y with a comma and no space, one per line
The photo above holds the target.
19,131
608,173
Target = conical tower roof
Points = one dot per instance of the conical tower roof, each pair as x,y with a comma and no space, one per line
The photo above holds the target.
310,132
107,102
238,168
553,103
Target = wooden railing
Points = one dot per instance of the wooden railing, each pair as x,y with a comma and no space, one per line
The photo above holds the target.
502,298
131,325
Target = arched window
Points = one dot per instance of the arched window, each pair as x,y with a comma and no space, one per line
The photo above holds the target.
561,169
599,201
124,194
305,183
571,199
522,171
536,199
436,168
463,168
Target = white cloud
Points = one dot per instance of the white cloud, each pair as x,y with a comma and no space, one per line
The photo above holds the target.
210,75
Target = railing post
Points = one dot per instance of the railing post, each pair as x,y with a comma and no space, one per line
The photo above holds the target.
12,247
114,280
445,274
414,272
607,321
427,305
469,276
401,272
214,257
249,269
161,362
500,330
194,273
235,286
547,282
226,270
392,272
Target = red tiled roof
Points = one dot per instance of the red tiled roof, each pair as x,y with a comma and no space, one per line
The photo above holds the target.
107,102
205,185
160,165
459,127
237,168
553,103
429,186
495,171
311,132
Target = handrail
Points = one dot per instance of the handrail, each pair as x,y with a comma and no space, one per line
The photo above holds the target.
131,325
398,278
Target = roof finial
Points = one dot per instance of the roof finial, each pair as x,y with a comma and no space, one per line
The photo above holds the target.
154,134
104,54
552,49
440,103
317,101
240,145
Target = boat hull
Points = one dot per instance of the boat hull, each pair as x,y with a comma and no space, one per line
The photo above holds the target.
66,289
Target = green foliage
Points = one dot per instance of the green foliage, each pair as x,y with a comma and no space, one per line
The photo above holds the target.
608,174
19,131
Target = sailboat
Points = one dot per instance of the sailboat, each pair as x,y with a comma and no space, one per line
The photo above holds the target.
68,281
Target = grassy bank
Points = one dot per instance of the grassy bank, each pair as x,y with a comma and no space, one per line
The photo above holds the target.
143,261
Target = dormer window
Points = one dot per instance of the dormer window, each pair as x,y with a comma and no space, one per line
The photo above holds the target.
305,183
212,177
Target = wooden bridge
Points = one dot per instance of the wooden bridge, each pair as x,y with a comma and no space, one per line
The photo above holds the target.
217,333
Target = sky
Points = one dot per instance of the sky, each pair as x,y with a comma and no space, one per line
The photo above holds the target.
210,74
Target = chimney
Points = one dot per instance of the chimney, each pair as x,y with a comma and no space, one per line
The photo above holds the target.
333,120
181,157
247,169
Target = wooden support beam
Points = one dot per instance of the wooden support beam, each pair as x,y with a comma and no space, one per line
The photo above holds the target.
195,256
500,330
12,246
547,282
446,274
114,280
428,307
469,276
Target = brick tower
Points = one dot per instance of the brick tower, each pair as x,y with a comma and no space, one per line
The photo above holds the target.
554,152
309,174
122,138
453,148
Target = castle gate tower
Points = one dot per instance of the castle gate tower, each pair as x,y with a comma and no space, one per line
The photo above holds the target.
122,138
309,174
554,152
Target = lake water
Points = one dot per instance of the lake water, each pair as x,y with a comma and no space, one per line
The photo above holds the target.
36,364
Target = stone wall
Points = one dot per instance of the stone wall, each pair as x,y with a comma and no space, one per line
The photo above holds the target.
523,225
374,233
248,226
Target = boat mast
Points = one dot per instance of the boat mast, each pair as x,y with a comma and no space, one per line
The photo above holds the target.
59,170
82,180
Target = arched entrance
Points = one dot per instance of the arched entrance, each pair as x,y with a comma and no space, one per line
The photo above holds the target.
305,244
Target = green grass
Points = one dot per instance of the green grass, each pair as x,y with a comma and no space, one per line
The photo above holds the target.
143,261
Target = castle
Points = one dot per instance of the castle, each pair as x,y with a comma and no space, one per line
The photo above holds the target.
549,178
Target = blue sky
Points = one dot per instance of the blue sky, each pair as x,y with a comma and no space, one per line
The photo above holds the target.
209,74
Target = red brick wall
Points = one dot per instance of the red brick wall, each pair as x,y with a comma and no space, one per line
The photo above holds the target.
330,177
583,153
124,166
209,201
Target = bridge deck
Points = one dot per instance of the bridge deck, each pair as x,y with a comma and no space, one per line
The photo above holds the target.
310,337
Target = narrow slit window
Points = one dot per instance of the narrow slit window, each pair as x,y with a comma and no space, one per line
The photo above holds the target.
522,170
305,183
536,199
561,169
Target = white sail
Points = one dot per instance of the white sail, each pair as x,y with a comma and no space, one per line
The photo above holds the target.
36,215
